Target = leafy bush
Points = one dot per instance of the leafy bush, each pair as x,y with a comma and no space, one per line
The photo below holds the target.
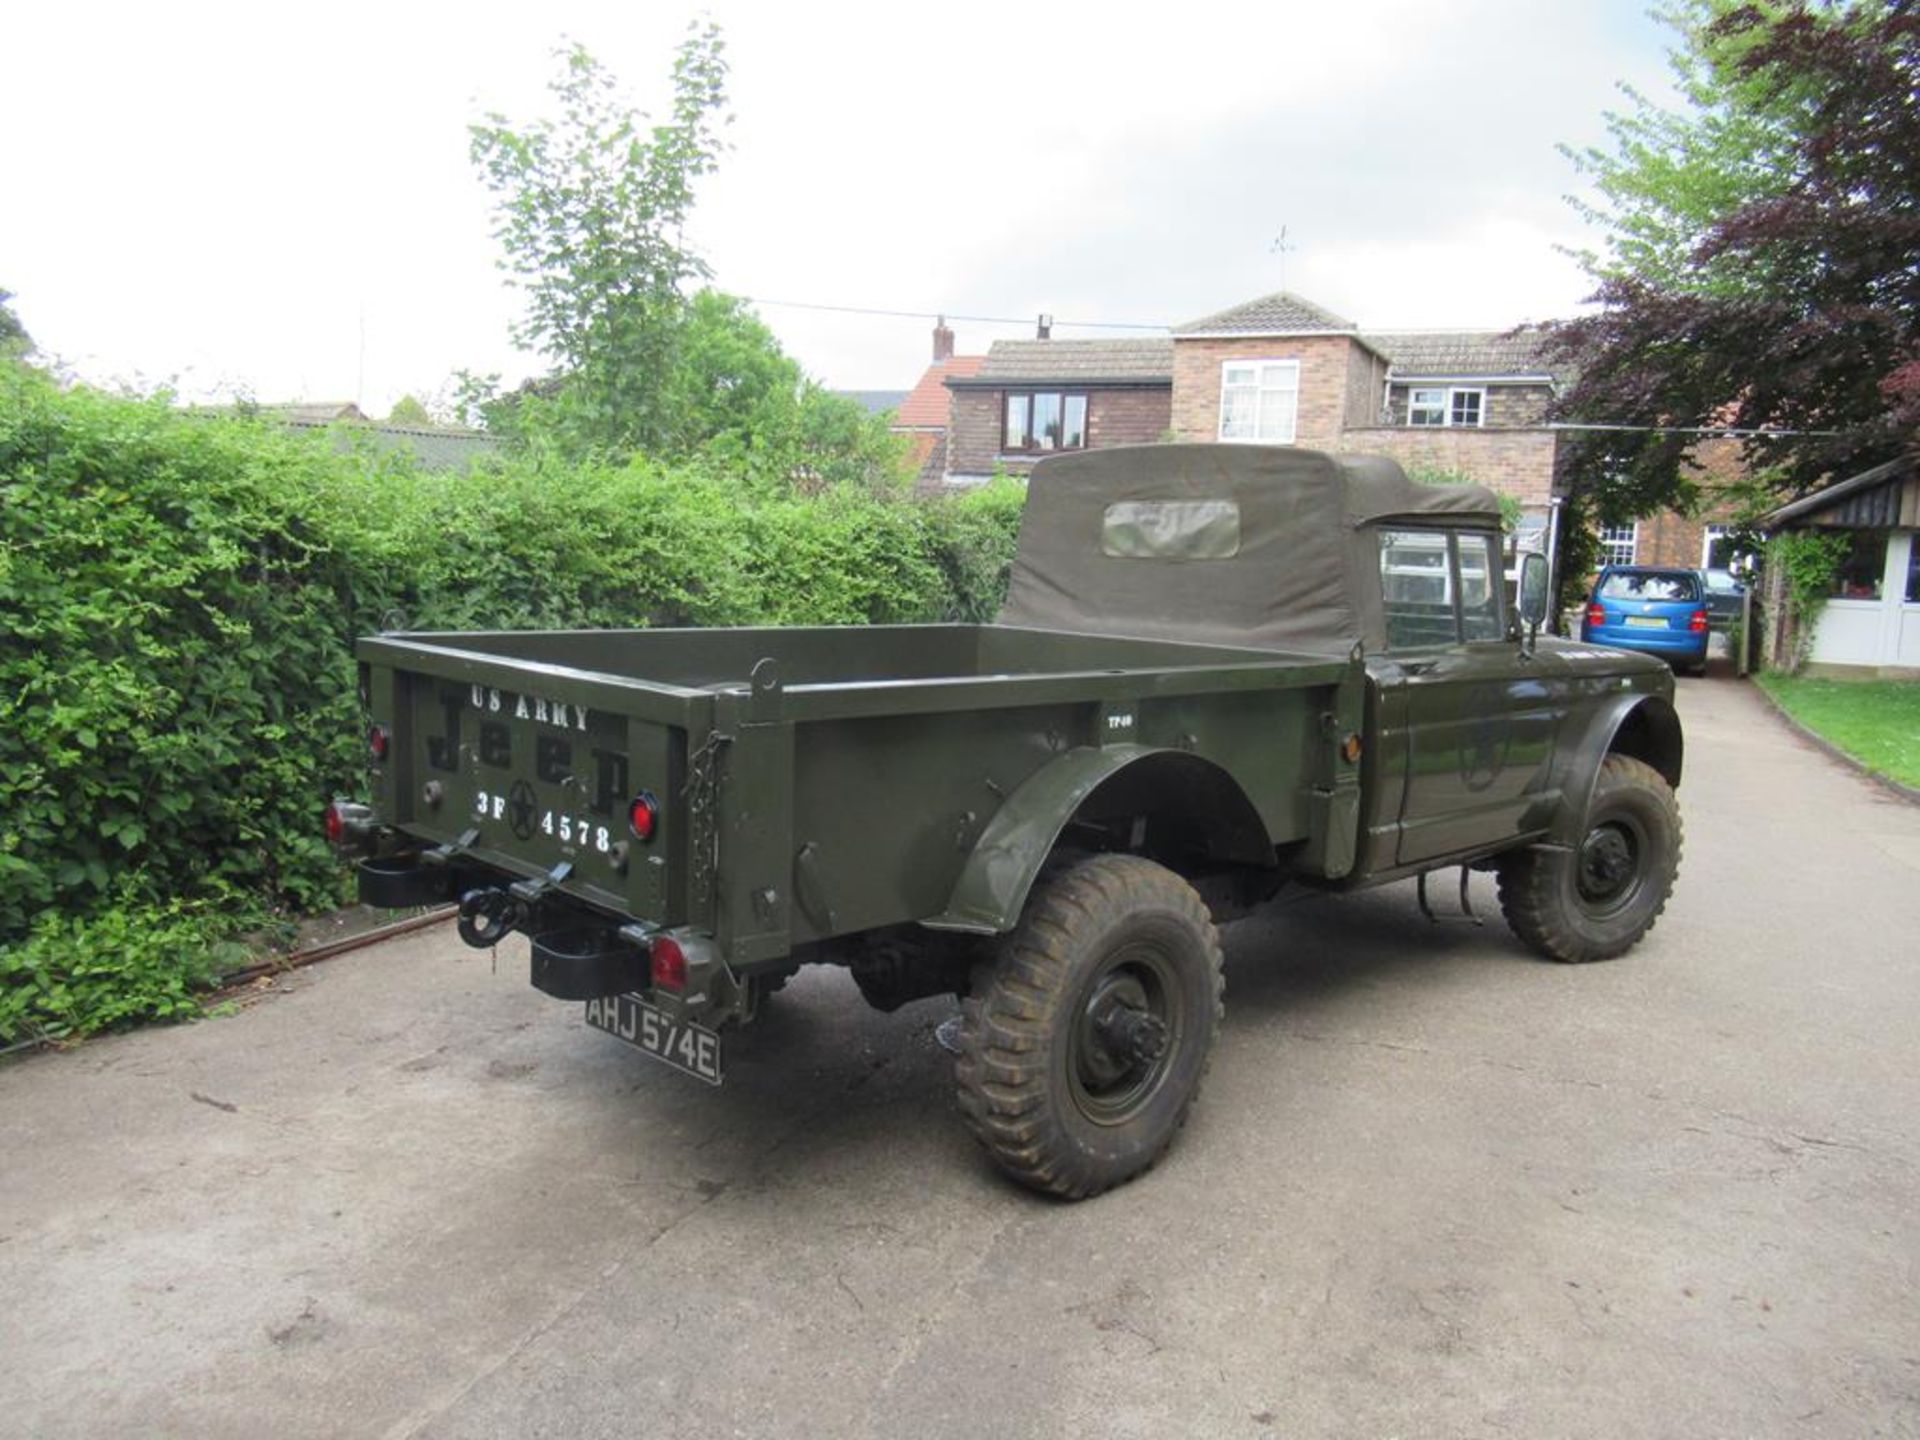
975,534
178,601
169,679
131,960
1810,562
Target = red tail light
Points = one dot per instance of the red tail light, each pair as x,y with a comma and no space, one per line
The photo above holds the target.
347,823
1697,622
669,964
643,816
377,741
1596,614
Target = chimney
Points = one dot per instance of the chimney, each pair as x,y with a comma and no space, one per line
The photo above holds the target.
942,341
1044,329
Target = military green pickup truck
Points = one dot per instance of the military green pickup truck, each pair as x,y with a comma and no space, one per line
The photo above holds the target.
1221,671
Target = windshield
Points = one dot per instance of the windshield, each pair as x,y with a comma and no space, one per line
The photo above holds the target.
1650,585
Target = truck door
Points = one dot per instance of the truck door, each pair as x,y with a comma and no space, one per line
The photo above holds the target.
1480,717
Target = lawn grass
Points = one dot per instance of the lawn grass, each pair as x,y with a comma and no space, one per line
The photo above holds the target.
1875,721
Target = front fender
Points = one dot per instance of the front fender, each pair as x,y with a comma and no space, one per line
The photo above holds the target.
1645,726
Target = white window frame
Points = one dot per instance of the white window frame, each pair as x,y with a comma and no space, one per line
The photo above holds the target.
1611,539
1284,398
1443,407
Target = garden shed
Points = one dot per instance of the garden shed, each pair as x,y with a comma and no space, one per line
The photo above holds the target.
1870,624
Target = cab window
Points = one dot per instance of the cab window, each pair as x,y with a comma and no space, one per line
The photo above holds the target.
1480,577
1439,587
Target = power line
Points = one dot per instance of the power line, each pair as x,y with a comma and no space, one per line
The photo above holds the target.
948,315
1710,430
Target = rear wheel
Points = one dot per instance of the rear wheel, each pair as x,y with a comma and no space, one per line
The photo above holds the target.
1082,1048
1596,900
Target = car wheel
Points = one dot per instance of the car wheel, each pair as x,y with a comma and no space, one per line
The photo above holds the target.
1595,900
1082,1048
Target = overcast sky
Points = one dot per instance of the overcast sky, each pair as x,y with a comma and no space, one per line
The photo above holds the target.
277,201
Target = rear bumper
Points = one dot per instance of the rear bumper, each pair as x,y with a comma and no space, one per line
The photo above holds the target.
394,882
1670,644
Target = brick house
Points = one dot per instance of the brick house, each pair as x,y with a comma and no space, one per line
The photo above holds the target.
1692,541
1470,402
922,414
1033,397
1282,369
1277,369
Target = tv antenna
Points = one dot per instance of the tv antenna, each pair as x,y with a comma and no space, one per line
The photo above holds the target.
1282,247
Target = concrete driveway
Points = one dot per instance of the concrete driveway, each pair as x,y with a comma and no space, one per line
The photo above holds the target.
1434,1188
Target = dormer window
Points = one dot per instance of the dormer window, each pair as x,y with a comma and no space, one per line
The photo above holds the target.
1042,420
1446,405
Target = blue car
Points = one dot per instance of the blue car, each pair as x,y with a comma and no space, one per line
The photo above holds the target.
1659,611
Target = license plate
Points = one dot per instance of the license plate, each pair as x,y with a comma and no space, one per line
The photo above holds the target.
1645,622
692,1049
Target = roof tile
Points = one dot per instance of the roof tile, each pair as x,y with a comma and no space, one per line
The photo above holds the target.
1462,354
925,407
1083,361
1281,313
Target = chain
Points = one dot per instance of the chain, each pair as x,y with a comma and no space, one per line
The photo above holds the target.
702,771
701,793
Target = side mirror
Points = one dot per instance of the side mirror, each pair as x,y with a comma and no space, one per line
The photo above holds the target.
1533,589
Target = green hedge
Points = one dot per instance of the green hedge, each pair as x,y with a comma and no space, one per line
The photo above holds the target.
178,599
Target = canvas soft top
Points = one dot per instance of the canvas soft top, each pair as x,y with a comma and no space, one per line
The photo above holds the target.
1251,545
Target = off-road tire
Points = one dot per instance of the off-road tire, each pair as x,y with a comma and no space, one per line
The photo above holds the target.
1055,1104
1596,900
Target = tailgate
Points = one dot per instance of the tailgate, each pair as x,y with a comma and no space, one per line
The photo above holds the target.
527,772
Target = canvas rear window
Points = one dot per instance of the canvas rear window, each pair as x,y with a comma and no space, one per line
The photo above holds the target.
1171,530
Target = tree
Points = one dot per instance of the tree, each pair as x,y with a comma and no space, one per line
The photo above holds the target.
15,343
736,395
409,410
1759,273
589,210
1671,175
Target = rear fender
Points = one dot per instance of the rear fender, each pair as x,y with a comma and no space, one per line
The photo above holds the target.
1643,726
992,888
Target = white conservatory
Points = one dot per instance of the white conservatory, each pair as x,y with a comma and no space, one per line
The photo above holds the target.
1871,625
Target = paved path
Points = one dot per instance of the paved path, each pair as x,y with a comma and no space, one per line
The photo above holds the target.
1435,1188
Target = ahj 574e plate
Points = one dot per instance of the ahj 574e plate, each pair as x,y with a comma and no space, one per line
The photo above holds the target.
685,1046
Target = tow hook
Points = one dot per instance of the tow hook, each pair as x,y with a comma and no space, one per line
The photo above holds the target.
488,916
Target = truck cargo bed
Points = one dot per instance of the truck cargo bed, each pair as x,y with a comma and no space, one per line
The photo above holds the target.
811,782
696,660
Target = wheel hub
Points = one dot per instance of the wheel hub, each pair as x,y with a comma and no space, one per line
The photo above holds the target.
1608,859
1121,1043
1138,1036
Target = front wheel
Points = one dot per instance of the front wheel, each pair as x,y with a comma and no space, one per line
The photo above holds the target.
1596,900
1083,1047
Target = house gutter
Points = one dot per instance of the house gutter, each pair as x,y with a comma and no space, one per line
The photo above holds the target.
976,382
